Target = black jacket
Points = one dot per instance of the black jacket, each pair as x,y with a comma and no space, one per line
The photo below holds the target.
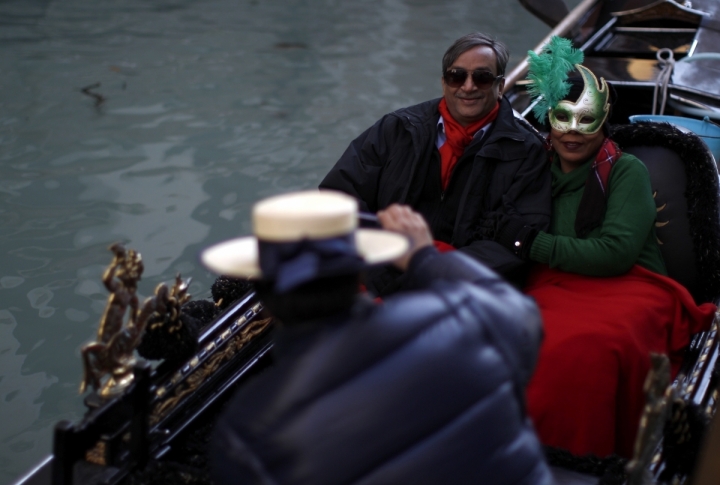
390,162
426,388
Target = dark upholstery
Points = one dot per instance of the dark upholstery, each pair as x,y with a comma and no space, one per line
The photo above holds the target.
667,176
684,178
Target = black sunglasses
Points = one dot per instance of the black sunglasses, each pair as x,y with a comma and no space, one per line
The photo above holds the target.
456,77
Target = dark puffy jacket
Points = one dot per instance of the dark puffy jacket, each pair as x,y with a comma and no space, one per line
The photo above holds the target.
388,163
426,388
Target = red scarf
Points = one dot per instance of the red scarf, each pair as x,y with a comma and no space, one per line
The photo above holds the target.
457,138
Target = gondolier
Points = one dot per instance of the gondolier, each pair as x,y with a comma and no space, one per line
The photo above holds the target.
425,388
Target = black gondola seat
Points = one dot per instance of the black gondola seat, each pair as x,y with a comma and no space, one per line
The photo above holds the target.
684,178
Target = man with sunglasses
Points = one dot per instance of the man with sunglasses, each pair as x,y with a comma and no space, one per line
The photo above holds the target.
457,160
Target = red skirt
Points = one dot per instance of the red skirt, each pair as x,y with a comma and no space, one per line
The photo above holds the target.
586,395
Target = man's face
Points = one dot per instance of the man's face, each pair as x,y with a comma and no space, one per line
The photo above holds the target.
468,103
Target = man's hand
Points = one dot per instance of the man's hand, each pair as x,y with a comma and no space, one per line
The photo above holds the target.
402,219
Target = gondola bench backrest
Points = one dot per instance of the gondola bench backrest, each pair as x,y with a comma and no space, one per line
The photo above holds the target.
684,179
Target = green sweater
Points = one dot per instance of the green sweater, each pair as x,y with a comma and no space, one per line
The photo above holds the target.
626,235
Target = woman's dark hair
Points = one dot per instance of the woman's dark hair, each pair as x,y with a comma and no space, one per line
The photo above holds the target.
317,299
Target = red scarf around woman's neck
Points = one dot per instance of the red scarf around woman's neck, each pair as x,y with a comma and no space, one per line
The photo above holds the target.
458,137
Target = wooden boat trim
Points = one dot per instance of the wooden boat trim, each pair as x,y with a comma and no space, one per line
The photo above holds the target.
39,475
602,31
562,29
661,9
658,30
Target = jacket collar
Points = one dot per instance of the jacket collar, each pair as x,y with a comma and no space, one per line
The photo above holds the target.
423,117
297,337
506,126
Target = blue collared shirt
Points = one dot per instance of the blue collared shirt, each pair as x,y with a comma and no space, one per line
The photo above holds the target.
441,136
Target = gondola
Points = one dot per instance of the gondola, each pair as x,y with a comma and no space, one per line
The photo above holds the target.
148,423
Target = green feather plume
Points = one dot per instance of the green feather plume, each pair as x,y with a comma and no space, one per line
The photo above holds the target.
548,72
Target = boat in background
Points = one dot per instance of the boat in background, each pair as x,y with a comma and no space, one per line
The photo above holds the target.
622,41
662,57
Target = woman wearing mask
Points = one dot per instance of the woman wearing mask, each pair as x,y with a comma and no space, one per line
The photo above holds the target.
601,284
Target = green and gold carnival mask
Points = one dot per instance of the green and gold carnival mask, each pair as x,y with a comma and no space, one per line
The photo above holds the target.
588,113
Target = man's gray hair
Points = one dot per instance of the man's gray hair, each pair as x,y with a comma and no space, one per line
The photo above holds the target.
476,39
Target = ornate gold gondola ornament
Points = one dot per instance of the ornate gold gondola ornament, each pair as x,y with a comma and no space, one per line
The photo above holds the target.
197,372
136,408
676,414
657,222
659,394
108,362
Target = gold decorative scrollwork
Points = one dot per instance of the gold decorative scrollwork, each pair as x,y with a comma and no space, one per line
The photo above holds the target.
659,394
202,372
97,454
660,223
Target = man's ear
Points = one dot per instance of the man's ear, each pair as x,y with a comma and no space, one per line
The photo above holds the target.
501,87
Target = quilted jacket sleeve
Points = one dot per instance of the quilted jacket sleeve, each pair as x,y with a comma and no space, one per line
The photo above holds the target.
510,317
234,462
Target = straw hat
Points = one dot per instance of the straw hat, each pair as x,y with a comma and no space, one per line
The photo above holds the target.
303,222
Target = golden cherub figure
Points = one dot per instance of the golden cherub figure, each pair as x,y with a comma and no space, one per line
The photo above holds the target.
659,396
113,354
